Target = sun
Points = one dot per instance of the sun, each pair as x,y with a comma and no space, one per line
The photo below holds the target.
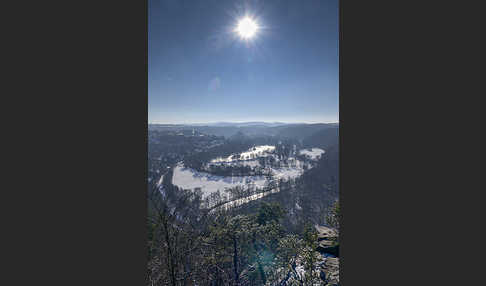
247,28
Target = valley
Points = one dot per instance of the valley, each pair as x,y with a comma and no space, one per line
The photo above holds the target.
212,188
250,164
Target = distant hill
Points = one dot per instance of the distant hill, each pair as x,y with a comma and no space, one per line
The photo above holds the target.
243,124
228,129
300,131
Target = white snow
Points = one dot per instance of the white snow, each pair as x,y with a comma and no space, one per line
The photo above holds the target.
313,153
160,180
260,151
250,163
297,206
286,173
241,201
187,178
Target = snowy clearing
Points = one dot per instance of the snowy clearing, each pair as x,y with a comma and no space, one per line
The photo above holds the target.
187,178
287,173
313,153
260,151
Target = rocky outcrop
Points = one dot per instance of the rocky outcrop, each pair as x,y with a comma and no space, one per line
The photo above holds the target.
326,233
330,271
328,241
329,249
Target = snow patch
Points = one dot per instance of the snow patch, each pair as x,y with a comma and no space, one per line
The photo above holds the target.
287,173
313,153
248,199
249,163
257,151
160,180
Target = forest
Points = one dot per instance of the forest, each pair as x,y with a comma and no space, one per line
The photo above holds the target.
189,245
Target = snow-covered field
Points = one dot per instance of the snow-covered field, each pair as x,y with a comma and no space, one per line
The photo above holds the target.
187,178
260,151
314,153
287,173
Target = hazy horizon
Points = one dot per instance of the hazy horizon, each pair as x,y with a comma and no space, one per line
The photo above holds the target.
242,122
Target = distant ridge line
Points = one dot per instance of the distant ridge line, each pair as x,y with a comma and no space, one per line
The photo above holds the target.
223,124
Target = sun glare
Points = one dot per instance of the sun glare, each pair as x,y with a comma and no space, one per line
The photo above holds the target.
247,28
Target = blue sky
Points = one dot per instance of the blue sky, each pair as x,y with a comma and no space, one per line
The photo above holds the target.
201,71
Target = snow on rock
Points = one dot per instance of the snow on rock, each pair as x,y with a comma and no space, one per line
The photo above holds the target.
313,153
